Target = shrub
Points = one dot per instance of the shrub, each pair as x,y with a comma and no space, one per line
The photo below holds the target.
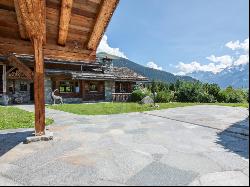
137,95
206,98
188,92
164,97
231,95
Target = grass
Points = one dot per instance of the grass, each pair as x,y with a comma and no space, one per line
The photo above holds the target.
243,105
118,108
14,118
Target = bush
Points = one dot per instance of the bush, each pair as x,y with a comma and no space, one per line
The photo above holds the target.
188,92
164,97
206,98
137,95
231,95
192,92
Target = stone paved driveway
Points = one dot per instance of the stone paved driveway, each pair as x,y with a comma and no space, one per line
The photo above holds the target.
201,145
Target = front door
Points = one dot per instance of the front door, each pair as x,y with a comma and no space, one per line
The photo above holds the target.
31,91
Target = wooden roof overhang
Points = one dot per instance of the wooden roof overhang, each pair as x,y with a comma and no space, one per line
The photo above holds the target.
55,29
72,28
29,61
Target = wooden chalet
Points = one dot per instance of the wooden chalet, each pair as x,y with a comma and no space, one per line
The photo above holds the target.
51,44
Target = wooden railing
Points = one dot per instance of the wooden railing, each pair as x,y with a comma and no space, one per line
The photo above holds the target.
121,97
93,97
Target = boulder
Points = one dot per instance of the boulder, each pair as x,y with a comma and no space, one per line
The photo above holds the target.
147,100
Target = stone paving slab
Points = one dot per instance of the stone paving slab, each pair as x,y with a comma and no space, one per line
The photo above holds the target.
227,178
132,149
7,182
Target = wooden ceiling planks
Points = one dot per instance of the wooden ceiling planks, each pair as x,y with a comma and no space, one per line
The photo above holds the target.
75,45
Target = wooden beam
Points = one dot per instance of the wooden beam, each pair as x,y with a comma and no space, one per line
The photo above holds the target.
65,17
50,50
14,61
22,29
34,17
102,20
33,14
10,70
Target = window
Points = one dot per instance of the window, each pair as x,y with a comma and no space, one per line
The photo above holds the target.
93,87
77,88
69,87
23,87
66,87
122,87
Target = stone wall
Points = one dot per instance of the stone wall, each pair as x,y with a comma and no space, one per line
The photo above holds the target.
109,89
72,100
25,95
48,89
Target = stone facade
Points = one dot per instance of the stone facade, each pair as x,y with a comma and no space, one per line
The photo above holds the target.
25,94
109,89
48,90
72,100
22,91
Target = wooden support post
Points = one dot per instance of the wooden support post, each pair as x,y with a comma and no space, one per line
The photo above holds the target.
33,16
39,88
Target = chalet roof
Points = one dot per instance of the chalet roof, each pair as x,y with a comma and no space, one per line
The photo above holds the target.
125,73
117,74
72,28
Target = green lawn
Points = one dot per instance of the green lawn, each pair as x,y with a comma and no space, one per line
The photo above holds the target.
118,108
14,118
244,105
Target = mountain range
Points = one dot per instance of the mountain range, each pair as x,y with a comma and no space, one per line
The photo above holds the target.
236,76
151,73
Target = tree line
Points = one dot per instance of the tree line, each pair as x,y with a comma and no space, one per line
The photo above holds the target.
189,92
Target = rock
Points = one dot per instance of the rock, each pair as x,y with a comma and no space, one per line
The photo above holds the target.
47,137
147,100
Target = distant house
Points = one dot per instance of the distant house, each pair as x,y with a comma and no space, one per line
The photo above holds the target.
76,82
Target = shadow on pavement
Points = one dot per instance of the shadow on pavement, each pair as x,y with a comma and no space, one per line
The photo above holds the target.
236,142
9,140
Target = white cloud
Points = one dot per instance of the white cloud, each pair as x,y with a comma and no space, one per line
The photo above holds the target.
220,63
225,60
196,66
154,66
243,59
105,47
237,45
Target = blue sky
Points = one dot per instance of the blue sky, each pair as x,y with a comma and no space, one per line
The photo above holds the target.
171,33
